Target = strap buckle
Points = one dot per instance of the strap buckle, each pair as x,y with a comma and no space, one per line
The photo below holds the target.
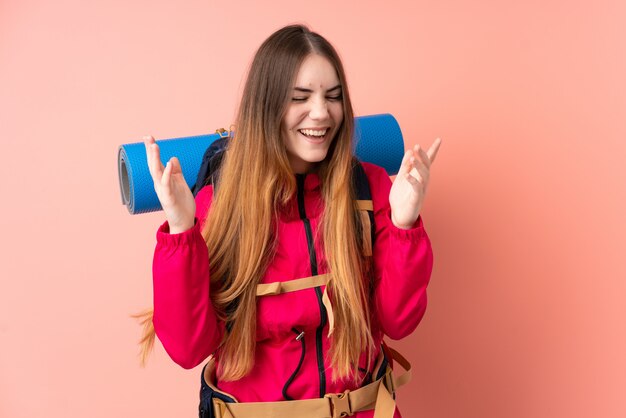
340,404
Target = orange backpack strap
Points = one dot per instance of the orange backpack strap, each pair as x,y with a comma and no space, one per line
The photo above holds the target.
276,288
378,395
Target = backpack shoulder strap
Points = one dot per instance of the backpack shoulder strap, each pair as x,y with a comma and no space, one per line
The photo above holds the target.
211,161
365,206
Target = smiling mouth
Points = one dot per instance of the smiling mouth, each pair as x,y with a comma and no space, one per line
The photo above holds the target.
314,135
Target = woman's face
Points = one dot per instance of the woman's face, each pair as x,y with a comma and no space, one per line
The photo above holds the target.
313,115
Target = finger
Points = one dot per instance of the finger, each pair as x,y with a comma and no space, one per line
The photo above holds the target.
157,165
176,167
420,171
415,170
424,159
413,181
405,165
434,149
417,161
165,179
154,158
147,142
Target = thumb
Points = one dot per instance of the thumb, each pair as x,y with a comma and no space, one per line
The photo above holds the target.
176,168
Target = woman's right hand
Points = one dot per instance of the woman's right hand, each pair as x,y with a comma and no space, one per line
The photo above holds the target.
171,188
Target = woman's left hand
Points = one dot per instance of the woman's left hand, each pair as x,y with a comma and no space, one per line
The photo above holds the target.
407,192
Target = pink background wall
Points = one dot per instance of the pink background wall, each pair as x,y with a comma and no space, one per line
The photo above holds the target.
525,207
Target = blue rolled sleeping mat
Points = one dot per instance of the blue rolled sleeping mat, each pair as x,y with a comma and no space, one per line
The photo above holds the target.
378,140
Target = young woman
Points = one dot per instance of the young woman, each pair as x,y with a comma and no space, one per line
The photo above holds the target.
272,270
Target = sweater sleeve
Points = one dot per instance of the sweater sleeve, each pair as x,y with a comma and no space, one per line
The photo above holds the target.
403,262
184,319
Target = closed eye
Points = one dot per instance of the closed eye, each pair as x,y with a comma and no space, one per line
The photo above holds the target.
303,99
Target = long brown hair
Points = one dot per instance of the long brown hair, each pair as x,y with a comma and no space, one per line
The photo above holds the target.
240,227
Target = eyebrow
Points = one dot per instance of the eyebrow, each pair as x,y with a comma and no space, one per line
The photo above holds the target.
302,89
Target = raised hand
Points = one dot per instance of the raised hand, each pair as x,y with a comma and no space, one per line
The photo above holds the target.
171,188
409,188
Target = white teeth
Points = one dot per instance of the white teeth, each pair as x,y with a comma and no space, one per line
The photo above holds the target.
311,132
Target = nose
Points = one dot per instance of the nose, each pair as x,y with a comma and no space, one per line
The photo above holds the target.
319,110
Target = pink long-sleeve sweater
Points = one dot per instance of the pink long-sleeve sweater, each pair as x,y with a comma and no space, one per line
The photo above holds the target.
186,324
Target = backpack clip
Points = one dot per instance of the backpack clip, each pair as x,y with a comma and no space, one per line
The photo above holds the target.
223,133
